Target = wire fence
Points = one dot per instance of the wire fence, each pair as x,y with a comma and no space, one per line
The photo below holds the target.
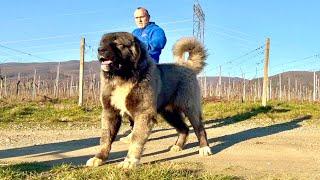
287,86
294,84
242,82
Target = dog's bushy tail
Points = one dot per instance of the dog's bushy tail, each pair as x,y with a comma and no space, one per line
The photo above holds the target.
197,53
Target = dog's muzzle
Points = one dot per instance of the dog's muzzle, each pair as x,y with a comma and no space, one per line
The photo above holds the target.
105,63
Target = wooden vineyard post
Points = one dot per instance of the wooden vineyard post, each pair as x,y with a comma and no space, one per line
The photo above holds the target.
265,74
81,69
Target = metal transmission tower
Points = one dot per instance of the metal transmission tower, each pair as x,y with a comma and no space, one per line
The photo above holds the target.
198,32
198,21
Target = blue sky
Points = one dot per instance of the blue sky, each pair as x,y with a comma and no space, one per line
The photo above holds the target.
235,31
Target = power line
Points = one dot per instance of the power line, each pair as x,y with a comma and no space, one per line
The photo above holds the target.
229,29
245,54
83,33
177,30
229,35
8,54
281,65
51,45
175,22
22,52
298,60
60,14
91,51
54,51
240,57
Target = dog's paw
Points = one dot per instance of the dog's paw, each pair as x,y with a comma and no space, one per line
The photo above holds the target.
175,148
129,163
205,151
94,162
126,139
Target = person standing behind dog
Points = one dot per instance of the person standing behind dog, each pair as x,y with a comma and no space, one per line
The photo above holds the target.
154,39
149,33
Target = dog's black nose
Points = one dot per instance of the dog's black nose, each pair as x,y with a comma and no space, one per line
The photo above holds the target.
101,58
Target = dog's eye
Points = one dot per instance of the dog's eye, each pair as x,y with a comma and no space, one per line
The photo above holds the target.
101,50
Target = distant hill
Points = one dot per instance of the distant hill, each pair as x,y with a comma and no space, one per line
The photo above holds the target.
48,71
215,79
303,78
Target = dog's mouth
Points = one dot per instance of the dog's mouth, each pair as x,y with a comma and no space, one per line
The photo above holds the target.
106,63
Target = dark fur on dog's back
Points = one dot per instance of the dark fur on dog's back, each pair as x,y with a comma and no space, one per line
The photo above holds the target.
133,85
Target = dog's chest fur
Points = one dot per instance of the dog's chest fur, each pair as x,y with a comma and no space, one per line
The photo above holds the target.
119,96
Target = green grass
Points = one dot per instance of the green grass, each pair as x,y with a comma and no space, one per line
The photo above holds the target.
63,112
54,113
254,113
67,114
147,171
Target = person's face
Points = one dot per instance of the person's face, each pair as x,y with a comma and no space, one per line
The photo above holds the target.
141,18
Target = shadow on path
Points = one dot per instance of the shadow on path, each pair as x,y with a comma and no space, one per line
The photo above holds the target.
232,139
215,123
52,148
225,142
244,116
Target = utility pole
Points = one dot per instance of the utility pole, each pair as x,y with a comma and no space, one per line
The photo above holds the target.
258,89
34,85
5,85
1,83
289,89
220,91
56,85
243,87
270,89
81,69
205,85
280,89
229,87
296,89
265,74
18,83
314,85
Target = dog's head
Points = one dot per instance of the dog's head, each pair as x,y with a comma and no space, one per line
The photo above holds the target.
120,54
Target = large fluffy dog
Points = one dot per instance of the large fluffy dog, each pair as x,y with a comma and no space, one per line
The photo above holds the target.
133,85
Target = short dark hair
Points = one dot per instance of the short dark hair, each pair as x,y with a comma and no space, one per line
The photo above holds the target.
144,10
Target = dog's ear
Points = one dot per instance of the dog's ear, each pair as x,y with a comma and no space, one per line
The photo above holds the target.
107,38
135,49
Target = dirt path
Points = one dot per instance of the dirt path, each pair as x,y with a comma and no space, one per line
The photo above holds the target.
283,150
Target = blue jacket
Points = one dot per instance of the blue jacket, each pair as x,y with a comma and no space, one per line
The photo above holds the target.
153,37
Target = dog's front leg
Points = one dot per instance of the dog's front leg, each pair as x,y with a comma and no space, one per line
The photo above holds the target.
110,122
143,124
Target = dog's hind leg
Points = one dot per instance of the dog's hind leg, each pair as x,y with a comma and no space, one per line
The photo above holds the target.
110,121
143,124
195,119
175,119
